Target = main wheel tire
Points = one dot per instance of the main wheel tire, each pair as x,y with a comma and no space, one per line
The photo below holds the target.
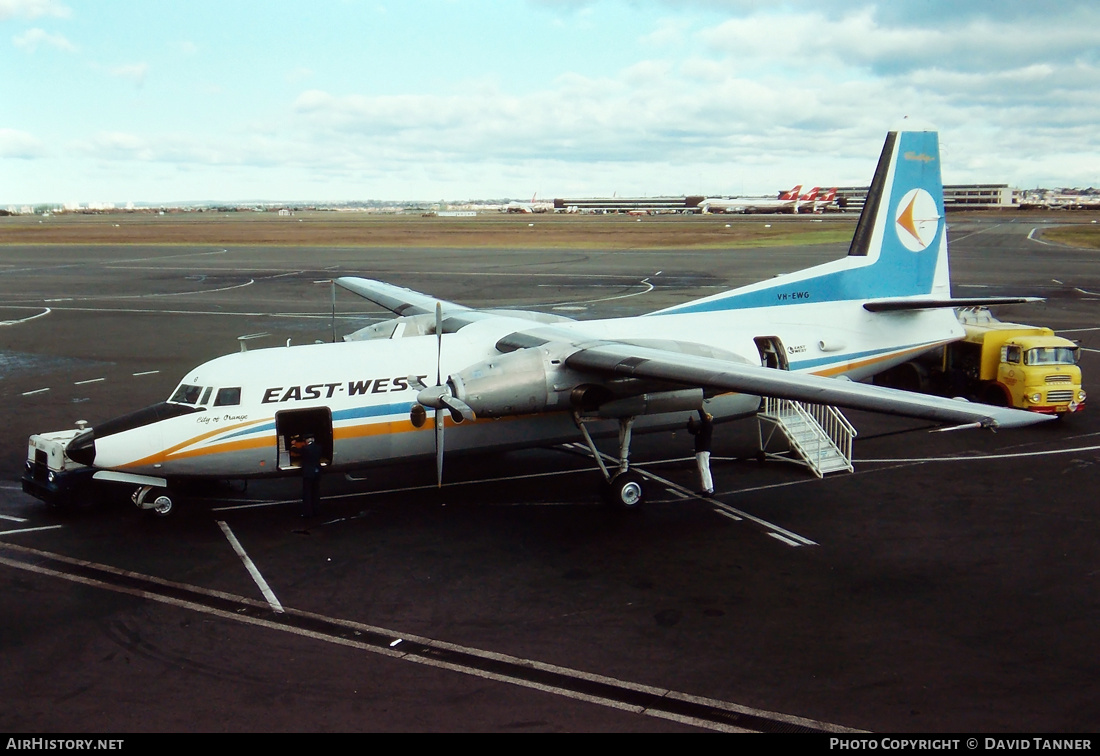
996,395
626,491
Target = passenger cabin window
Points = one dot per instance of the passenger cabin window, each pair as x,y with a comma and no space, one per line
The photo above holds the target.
187,394
228,397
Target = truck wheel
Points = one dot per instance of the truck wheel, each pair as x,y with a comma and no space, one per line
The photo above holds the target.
996,395
908,376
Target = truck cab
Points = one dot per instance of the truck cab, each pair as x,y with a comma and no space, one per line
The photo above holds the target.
1040,373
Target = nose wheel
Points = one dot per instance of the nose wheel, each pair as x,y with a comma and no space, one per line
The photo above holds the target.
156,501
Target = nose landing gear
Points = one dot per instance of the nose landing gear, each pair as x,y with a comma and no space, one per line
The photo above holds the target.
158,501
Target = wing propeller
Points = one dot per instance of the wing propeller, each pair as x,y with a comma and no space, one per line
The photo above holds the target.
438,397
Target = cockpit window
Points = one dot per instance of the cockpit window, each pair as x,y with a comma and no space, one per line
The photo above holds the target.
206,395
228,397
187,394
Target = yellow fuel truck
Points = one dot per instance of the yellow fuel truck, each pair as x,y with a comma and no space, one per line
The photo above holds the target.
1007,364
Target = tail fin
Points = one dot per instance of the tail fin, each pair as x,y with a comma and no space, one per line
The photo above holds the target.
792,194
901,231
899,248
807,200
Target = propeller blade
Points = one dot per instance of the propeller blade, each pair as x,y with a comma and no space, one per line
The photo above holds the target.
439,420
459,409
439,342
439,417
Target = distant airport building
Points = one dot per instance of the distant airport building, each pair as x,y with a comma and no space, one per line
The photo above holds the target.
955,197
848,198
628,204
965,196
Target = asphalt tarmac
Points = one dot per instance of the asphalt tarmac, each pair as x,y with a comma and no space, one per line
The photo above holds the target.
949,585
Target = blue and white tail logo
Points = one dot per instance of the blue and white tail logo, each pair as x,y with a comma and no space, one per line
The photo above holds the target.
917,221
899,248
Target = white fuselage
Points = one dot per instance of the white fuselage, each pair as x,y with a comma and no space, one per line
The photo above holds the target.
364,386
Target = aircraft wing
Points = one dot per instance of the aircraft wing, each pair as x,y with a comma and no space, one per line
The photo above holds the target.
614,358
398,300
406,303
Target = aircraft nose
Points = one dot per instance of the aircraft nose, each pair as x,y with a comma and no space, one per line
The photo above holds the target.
82,448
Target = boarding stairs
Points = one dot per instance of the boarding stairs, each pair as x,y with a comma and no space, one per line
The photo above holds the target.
818,435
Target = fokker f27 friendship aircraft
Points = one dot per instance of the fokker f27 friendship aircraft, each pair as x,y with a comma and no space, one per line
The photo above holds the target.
503,379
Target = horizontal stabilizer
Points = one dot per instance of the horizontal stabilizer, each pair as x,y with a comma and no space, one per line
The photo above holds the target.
913,303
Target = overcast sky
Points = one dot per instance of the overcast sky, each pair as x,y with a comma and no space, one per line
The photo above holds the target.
160,101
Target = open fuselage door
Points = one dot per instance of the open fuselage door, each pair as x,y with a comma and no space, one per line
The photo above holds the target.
772,353
292,425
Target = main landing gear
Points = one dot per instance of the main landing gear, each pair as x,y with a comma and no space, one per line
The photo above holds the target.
623,489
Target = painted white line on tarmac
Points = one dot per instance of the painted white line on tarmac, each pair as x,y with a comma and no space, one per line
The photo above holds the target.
594,301
770,526
265,589
418,658
30,530
24,320
980,458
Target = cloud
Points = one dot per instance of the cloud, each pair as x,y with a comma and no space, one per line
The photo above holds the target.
767,95
32,39
20,144
863,39
300,74
134,72
32,9
114,145
669,32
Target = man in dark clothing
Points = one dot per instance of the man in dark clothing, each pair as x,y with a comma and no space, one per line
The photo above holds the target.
703,430
310,461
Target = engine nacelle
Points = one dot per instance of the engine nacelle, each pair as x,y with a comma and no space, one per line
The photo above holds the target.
517,383
654,403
